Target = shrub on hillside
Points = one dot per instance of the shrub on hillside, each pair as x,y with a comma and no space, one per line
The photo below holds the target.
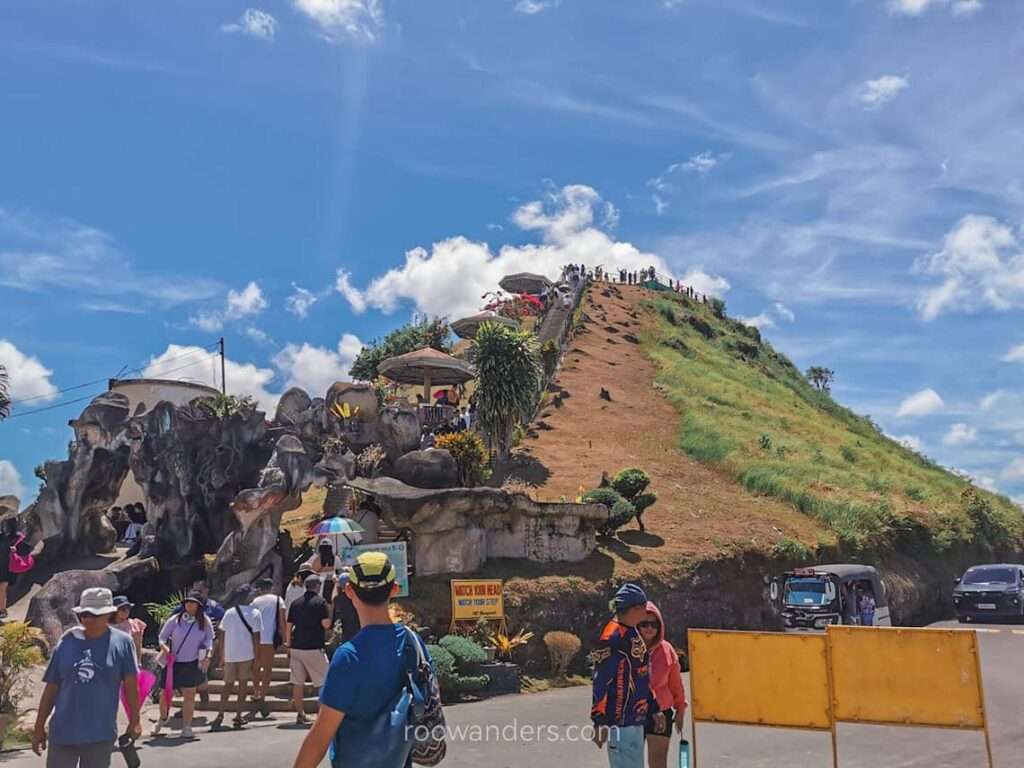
607,496
631,482
470,456
562,649
791,549
989,524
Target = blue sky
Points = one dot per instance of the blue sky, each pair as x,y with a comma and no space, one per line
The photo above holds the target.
300,175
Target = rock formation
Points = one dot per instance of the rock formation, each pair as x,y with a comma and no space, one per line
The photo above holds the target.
457,530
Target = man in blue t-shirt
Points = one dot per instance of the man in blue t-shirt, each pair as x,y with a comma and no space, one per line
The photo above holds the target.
83,678
368,671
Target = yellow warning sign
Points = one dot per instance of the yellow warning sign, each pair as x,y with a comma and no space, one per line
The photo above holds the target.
759,678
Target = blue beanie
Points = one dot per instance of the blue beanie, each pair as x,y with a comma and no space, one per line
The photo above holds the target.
628,596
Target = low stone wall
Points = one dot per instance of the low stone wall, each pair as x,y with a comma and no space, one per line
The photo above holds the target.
457,530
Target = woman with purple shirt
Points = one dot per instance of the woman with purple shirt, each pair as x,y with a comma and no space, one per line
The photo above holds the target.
188,638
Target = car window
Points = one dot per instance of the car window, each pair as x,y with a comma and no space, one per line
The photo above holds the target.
990,576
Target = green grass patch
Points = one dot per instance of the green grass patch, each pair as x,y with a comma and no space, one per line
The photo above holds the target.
755,416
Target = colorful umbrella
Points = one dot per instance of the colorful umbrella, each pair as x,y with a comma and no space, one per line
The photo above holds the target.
339,526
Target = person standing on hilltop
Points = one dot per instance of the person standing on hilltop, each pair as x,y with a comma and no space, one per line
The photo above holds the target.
622,695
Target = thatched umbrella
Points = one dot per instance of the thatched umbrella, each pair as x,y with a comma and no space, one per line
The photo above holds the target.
429,366
467,327
524,282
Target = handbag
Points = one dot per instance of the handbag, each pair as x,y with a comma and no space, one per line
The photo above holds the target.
429,747
388,740
18,563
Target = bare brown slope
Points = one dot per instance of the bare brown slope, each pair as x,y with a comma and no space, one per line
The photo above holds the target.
699,512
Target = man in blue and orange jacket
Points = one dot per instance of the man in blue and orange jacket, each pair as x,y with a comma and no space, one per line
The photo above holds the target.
622,691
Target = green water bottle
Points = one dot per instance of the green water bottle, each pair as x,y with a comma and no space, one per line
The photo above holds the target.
684,753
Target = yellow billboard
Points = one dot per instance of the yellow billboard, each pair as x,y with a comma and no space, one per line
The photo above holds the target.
904,676
759,678
474,599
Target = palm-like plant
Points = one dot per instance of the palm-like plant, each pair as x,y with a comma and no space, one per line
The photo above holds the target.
5,400
509,376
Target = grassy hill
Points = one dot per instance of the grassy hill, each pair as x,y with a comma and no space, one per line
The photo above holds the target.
746,410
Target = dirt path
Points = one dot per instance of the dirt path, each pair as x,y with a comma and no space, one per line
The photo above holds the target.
700,512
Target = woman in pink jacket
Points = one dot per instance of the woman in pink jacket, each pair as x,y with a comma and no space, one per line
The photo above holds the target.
667,684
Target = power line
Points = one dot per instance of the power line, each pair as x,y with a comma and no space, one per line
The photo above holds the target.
154,374
104,380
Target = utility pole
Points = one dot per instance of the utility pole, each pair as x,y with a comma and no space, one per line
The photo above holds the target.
223,382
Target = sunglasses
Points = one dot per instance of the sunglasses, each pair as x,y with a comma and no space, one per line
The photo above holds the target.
648,625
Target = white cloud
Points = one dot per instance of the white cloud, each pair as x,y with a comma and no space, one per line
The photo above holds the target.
315,369
242,378
259,336
300,302
351,294
451,277
27,378
41,254
253,23
768,318
701,164
875,94
989,401
344,18
245,303
761,321
784,312
239,305
967,7
1014,470
981,264
1015,355
911,442
960,434
705,282
10,481
959,8
532,7
920,404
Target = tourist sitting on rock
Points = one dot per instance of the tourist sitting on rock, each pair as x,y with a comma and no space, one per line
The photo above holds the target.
83,680
119,520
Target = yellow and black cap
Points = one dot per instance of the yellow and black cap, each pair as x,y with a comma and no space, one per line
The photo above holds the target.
372,570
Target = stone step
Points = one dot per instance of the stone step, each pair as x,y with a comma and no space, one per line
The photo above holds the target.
310,705
280,690
277,675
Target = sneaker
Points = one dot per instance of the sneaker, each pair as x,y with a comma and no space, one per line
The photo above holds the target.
238,723
301,720
264,709
160,725
186,732
218,722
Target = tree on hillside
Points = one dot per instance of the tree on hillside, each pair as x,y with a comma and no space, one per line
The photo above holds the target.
718,307
5,400
418,334
821,378
509,376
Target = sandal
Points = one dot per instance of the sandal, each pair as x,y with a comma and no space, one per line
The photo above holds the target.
238,723
217,723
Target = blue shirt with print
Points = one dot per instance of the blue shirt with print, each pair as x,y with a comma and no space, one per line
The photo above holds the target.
89,675
366,673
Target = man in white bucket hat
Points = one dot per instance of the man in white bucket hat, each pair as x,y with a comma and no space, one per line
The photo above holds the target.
83,679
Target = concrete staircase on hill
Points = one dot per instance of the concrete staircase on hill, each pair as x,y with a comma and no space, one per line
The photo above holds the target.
279,697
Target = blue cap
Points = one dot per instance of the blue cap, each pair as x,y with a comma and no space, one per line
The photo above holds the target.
628,596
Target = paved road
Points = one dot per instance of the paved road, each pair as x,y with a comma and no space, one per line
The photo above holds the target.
274,743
